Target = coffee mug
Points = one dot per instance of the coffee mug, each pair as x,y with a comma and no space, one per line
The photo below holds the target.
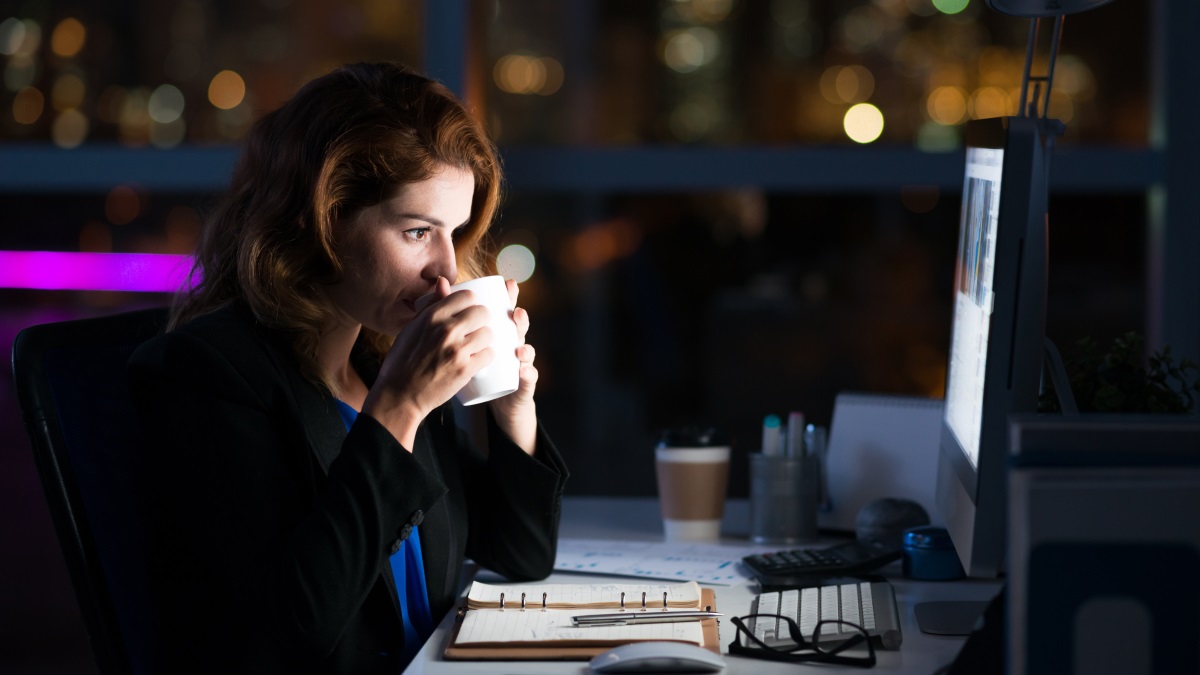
502,376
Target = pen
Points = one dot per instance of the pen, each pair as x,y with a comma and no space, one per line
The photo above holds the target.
770,435
795,435
621,619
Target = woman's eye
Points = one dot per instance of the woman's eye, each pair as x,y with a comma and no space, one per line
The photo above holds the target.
418,233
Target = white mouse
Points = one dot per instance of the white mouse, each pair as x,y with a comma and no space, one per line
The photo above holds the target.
660,656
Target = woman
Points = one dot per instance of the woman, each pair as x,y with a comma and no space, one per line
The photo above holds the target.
312,500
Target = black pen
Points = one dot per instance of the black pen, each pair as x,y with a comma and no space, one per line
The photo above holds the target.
623,618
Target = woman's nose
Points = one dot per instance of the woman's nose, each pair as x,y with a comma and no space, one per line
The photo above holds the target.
444,263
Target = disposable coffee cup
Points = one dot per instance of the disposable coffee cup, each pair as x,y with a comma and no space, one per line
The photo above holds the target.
692,467
502,376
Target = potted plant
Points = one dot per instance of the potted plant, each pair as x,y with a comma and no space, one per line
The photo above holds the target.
1123,380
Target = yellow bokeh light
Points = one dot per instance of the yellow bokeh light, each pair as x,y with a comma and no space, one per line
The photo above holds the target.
863,123
28,105
554,76
988,102
686,50
69,129
68,92
947,106
854,84
829,84
68,37
711,11
227,90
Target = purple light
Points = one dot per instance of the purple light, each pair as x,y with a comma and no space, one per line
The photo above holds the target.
51,270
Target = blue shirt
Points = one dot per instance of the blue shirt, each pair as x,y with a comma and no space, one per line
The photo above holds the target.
409,573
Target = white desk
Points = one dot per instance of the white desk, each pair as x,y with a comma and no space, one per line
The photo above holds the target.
637,519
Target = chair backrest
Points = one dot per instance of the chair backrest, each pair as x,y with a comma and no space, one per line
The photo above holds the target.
75,402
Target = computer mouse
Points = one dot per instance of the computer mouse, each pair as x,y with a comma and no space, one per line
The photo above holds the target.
659,656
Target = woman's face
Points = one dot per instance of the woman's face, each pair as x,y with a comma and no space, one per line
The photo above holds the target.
394,252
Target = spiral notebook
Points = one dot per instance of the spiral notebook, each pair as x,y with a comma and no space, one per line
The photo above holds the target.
533,621
880,445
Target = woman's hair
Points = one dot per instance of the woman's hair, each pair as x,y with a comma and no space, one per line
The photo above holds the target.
344,142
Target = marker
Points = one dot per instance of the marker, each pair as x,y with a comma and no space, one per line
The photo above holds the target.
795,435
771,440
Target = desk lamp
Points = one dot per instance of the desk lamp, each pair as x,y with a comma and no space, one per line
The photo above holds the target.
1037,11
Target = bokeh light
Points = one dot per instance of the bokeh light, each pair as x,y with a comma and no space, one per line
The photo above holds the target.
28,105
950,6
165,104
687,50
168,134
947,106
68,92
70,129
227,90
863,123
12,34
122,205
988,102
68,37
516,262
20,72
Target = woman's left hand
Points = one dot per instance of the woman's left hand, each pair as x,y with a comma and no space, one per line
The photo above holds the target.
516,413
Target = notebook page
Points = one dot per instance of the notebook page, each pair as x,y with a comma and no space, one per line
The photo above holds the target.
584,595
492,625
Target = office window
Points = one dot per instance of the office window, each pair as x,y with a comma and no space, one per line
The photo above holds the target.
793,71
179,71
655,310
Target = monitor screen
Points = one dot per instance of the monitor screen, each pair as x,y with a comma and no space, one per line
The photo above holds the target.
973,297
998,332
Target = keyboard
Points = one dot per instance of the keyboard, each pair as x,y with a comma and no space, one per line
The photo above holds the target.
870,604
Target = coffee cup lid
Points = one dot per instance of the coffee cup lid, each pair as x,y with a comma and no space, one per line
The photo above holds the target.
692,437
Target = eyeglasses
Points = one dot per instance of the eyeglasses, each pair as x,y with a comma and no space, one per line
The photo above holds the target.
829,652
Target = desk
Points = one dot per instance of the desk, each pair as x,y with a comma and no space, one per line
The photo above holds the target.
637,519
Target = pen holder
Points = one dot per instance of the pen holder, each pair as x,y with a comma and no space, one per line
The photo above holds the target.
783,499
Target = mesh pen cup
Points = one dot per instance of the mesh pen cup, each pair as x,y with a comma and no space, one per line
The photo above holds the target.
783,499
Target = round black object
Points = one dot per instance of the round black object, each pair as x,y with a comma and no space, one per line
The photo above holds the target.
885,520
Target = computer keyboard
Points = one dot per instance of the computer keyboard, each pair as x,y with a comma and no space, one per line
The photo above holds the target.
870,604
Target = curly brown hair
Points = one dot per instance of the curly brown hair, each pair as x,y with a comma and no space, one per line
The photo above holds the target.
344,142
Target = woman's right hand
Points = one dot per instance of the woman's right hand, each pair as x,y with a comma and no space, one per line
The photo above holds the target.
432,358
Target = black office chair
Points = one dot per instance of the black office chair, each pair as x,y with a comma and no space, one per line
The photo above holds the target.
71,387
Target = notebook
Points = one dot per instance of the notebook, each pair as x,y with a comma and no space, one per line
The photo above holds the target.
533,621
880,445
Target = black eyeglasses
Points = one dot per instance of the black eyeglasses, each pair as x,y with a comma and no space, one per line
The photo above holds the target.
829,652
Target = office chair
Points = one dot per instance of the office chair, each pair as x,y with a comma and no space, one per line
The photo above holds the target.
75,403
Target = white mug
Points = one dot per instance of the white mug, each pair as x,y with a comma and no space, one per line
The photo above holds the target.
502,376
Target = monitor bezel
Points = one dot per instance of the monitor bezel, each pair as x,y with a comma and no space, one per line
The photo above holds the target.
972,499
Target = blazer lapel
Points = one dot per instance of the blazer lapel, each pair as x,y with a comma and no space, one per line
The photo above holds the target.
323,424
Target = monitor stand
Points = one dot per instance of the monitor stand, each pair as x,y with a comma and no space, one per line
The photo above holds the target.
949,617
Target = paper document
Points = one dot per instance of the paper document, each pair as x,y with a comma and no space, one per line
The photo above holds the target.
494,626
713,564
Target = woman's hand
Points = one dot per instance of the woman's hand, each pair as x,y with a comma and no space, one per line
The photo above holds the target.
432,358
516,414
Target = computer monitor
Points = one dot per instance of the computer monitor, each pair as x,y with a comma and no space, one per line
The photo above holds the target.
998,333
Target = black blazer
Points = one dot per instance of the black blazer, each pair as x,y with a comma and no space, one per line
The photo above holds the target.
272,526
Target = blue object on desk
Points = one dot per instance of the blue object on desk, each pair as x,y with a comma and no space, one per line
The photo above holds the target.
929,555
